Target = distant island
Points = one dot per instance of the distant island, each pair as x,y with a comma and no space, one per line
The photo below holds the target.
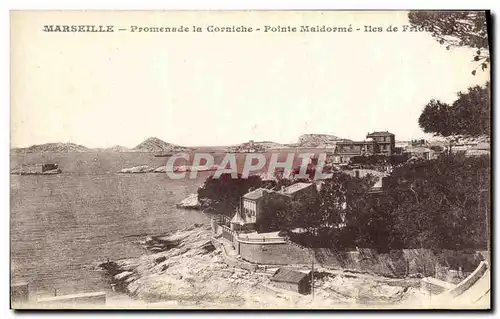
155,145
150,145
317,140
51,148
305,140
162,148
37,169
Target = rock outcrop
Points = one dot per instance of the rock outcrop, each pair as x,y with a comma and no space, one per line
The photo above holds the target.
138,169
317,140
187,267
190,202
155,145
24,171
251,147
37,169
161,169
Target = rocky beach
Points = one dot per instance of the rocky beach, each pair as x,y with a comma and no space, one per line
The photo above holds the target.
186,269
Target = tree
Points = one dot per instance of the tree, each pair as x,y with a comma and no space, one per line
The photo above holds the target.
224,193
457,29
437,118
341,201
280,212
438,203
472,111
369,160
468,116
275,214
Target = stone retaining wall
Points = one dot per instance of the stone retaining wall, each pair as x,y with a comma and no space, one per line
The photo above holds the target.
443,265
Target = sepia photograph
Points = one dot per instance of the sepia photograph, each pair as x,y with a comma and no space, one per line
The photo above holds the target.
320,160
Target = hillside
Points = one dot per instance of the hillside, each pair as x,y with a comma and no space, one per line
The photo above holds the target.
155,145
271,145
317,140
52,147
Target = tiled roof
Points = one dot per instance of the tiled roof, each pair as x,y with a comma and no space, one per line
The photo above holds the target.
242,218
256,194
288,275
295,188
357,143
419,150
364,172
237,219
380,134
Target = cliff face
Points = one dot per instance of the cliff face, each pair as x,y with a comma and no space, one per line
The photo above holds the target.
155,145
317,140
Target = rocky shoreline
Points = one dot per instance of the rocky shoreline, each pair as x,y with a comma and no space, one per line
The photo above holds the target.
21,171
162,169
185,267
190,202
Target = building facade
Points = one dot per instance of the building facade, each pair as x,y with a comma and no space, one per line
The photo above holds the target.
385,140
246,217
293,280
421,153
345,150
376,143
380,177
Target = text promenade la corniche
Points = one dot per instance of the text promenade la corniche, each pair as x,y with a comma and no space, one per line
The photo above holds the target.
231,29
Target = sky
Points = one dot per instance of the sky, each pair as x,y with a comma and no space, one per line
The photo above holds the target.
194,89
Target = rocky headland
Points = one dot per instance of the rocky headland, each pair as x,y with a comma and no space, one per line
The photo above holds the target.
190,202
38,169
138,169
186,268
317,140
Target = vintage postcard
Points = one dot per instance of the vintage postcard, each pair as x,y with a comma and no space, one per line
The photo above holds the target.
250,160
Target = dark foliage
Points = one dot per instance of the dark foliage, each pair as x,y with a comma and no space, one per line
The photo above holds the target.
469,115
457,29
225,192
437,204
441,203
378,161
280,212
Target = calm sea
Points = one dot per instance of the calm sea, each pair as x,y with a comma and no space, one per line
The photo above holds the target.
62,225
